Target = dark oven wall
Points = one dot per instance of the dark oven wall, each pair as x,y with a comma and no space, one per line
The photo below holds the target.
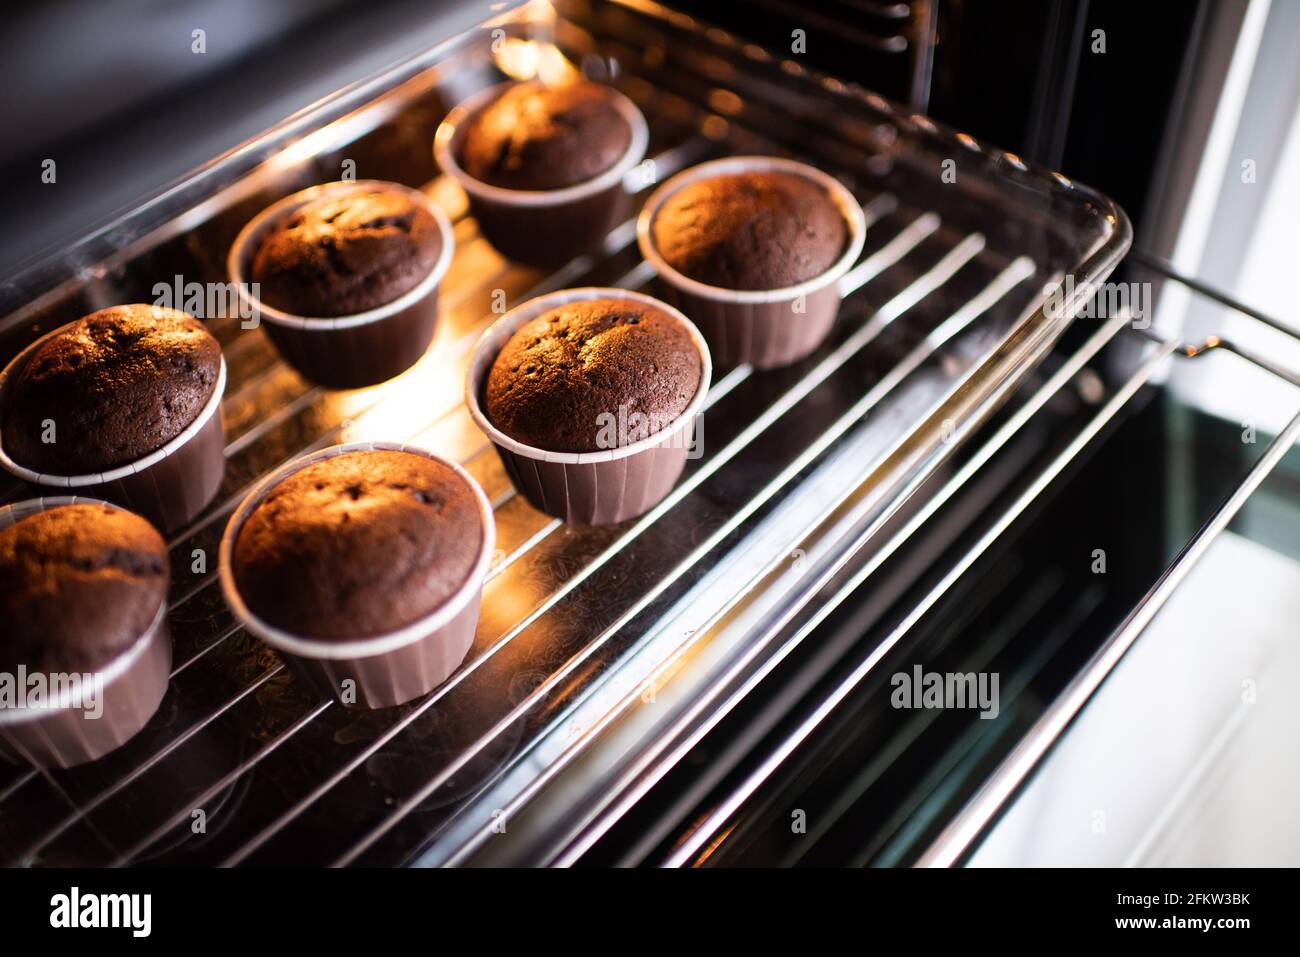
126,97
1031,76
104,89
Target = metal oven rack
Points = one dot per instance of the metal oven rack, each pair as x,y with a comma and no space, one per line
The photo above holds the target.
728,820
962,834
664,618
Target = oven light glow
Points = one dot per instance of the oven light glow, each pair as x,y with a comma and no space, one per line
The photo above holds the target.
522,59
518,58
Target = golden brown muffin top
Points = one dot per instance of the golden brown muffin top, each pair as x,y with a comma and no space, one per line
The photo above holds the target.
560,377
79,584
760,230
358,545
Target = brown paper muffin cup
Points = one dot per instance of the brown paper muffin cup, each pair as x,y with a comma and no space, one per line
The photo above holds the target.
545,228
590,488
346,352
133,685
766,328
384,670
169,486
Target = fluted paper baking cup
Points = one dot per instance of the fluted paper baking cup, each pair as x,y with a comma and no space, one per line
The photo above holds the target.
169,486
133,685
590,488
386,669
543,227
361,349
767,328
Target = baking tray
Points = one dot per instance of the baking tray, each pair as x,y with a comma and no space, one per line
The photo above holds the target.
581,627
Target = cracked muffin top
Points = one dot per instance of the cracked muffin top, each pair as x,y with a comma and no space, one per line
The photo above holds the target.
78,585
358,545
763,230
537,137
346,253
109,389
573,379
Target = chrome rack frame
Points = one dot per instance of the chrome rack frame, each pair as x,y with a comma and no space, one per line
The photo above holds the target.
959,839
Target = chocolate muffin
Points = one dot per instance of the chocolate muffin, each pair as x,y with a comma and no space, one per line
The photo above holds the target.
561,377
759,230
343,254
536,137
118,384
78,585
358,545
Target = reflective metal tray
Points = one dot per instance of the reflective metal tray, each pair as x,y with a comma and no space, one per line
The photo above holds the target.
580,626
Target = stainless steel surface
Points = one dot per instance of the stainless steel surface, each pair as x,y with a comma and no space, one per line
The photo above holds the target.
752,802
944,317
707,830
963,832
1164,268
1199,775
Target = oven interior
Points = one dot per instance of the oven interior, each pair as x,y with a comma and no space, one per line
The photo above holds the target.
675,690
